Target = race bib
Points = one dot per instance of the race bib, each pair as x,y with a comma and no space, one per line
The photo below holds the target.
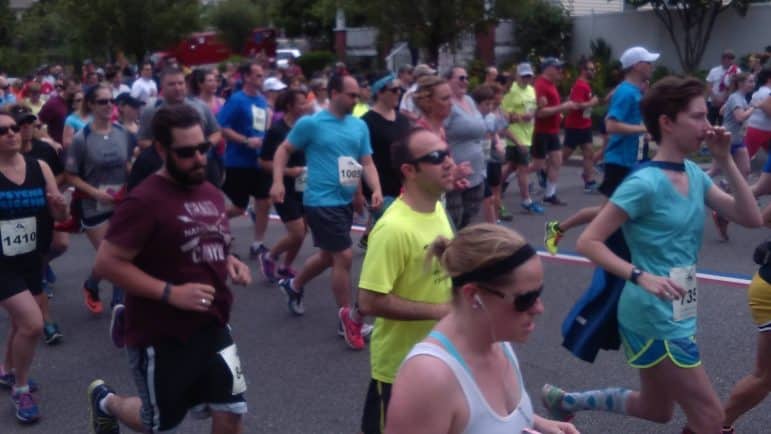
301,181
487,148
259,118
349,170
18,236
685,277
112,190
230,356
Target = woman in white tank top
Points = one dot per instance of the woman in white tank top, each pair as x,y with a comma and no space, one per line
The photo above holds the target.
464,377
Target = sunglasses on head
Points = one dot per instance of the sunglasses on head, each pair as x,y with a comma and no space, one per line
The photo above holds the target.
522,302
189,151
434,157
104,101
4,130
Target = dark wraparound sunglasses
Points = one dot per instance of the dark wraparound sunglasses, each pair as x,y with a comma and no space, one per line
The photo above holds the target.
433,157
105,101
14,128
189,151
522,302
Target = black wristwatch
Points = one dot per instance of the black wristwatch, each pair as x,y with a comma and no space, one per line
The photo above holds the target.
636,273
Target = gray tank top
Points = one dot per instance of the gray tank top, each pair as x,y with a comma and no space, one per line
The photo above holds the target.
482,419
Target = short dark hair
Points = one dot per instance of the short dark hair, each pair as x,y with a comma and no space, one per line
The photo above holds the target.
669,96
245,68
763,76
335,83
583,62
170,70
173,116
482,93
286,99
400,150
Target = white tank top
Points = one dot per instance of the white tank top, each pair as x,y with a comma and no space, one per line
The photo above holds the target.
482,418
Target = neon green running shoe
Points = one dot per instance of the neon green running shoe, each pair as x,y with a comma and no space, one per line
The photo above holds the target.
552,396
553,236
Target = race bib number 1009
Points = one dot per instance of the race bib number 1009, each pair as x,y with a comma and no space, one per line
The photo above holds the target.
349,170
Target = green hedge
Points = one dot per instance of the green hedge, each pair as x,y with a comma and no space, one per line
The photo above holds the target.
314,61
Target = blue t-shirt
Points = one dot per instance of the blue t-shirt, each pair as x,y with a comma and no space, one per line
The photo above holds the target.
246,115
664,231
326,139
624,107
76,122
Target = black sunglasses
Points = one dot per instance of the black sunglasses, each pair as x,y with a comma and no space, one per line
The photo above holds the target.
394,90
433,157
463,78
189,151
353,95
4,130
104,101
522,302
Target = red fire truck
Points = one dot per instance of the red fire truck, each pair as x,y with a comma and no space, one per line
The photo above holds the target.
205,48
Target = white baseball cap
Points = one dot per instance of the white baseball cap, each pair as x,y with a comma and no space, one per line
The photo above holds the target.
273,84
524,69
635,55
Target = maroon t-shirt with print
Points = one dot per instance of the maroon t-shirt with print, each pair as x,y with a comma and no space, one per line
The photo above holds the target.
182,235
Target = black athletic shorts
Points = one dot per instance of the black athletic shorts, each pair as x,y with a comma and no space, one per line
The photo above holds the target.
378,397
518,155
494,173
242,183
614,176
575,137
176,377
330,226
18,276
543,144
292,208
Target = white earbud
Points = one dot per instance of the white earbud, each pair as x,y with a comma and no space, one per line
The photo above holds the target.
478,301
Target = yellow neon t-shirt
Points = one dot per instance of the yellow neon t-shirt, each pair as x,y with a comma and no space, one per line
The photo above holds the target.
395,264
519,101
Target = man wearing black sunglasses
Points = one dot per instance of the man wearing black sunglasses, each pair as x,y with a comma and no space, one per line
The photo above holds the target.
338,152
394,285
169,248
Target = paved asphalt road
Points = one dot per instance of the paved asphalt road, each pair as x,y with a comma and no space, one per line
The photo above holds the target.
303,379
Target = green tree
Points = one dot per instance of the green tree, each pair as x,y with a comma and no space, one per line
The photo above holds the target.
136,27
689,24
235,19
542,28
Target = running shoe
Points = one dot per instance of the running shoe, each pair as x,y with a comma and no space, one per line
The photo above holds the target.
267,267
255,253
552,396
8,380
51,333
541,178
363,242
554,200
101,422
366,330
504,214
590,187
118,326
26,407
91,298
533,208
47,288
286,273
721,224
351,329
294,299
552,237
50,275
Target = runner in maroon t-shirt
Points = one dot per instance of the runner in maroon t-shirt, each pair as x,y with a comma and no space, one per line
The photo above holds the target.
548,116
171,254
578,123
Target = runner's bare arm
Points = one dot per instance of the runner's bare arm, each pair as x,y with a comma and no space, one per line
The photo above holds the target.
613,126
392,306
372,179
57,206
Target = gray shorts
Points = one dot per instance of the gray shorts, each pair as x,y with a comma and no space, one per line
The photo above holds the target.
330,226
